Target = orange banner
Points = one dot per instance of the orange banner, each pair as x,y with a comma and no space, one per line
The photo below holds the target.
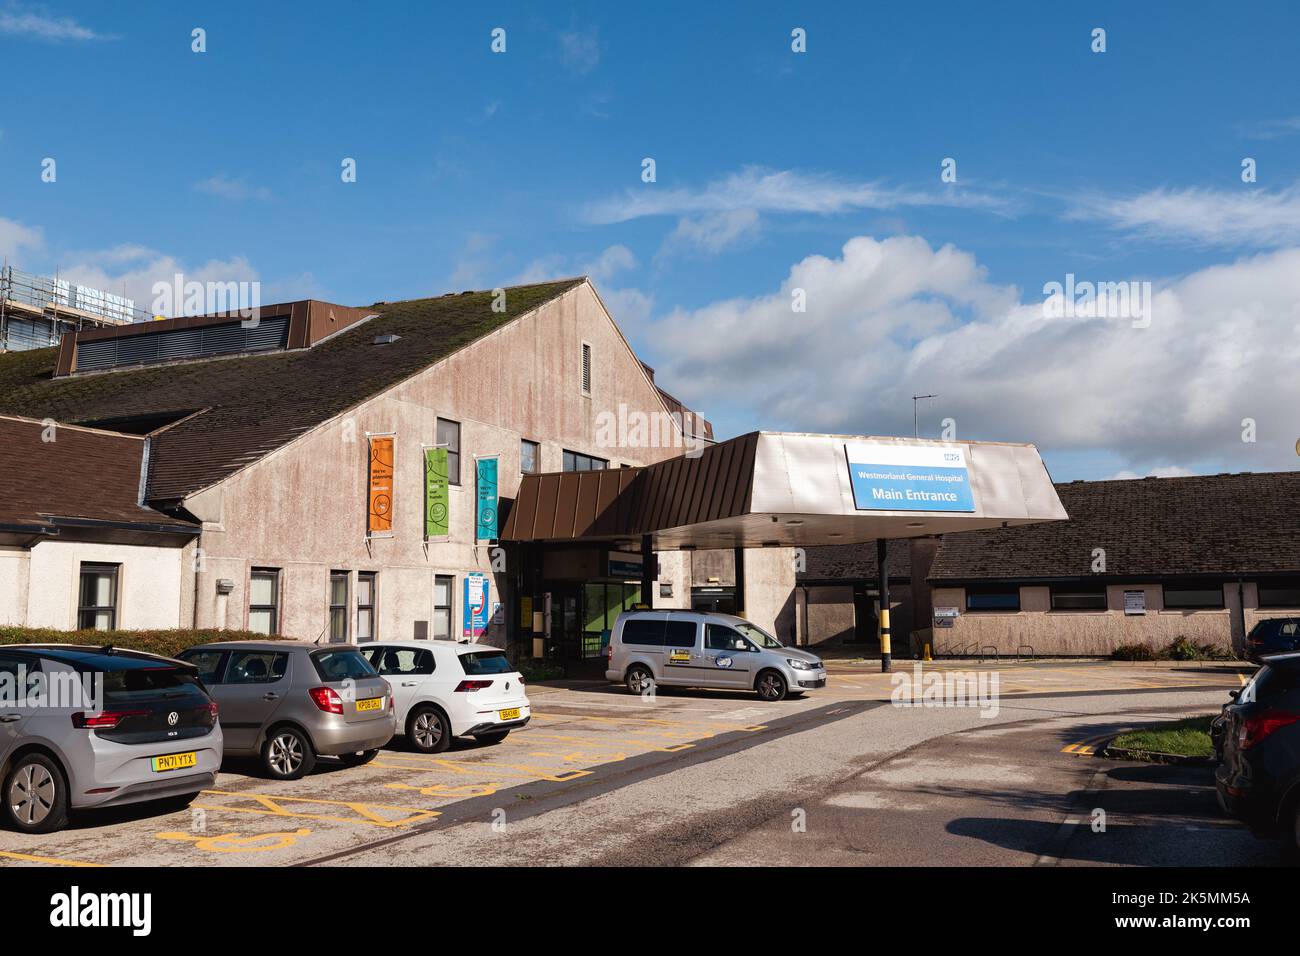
380,518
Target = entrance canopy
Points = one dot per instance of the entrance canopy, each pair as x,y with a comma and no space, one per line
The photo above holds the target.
775,489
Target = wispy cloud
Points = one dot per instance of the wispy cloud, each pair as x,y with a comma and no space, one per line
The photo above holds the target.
782,191
16,22
15,238
1271,129
1245,216
712,233
580,50
225,187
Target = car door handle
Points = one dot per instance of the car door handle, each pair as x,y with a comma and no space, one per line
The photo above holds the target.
10,718
270,697
410,683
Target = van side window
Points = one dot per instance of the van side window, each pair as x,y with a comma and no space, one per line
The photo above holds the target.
719,637
680,634
644,632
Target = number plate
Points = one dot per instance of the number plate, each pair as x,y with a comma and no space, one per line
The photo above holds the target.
511,714
370,703
174,762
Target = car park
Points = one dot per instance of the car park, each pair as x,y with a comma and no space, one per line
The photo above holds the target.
289,702
706,649
1258,778
445,689
143,729
1274,635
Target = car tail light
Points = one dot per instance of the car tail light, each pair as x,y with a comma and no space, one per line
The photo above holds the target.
1255,729
104,720
468,685
212,709
326,700
391,706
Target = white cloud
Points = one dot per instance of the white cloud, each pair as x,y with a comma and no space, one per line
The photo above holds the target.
580,50
1167,471
132,270
225,187
53,29
712,233
16,239
780,191
1244,216
889,319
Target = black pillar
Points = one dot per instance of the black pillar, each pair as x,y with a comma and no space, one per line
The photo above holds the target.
647,572
739,560
885,657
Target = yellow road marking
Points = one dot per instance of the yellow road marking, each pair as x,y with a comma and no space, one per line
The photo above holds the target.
705,723
1088,746
600,743
52,860
234,843
447,790
366,813
511,769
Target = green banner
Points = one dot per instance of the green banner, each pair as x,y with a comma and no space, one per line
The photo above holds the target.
436,498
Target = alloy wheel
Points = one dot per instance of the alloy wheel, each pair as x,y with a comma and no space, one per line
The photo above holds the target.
286,754
771,687
31,794
427,730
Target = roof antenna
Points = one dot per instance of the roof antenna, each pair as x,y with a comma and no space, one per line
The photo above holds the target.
322,632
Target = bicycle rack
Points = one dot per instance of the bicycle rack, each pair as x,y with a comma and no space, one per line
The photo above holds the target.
1019,656
987,647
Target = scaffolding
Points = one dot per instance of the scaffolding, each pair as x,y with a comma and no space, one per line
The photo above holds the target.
36,310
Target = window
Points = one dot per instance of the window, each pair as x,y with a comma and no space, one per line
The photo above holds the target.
341,665
264,601
680,634
208,663
97,607
443,586
719,637
339,606
477,663
449,438
256,667
586,369
1279,593
576,461
530,456
401,660
1078,597
1001,598
366,605
1193,598
646,632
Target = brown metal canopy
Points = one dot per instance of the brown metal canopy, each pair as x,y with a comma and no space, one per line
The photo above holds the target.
779,489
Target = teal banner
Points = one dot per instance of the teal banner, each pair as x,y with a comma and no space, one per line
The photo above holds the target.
486,469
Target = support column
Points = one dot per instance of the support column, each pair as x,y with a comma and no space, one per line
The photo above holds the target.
739,560
647,572
886,662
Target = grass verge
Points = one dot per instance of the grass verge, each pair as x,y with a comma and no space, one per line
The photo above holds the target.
1184,738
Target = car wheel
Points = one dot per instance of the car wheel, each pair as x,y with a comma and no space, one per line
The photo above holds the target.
287,754
428,730
771,686
492,737
357,759
640,680
36,798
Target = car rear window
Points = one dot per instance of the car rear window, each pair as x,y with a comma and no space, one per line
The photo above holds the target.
342,665
138,684
644,632
485,662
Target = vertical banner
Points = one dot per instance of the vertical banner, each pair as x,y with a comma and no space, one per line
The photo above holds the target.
437,501
486,469
379,520
475,605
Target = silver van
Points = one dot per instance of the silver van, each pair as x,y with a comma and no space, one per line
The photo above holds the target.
704,649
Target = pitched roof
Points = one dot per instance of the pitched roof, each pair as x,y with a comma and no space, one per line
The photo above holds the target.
855,562
243,407
72,476
1229,524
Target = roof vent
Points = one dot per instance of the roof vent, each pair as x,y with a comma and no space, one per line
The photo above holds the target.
386,339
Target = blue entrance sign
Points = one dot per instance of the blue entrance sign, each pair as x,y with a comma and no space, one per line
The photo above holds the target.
889,476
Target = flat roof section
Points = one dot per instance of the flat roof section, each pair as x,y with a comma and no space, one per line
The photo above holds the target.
776,489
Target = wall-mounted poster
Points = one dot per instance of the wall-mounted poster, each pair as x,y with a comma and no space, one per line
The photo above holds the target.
437,499
475,605
486,470
379,519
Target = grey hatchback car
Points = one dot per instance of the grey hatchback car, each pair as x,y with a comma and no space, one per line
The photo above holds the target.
88,726
288,702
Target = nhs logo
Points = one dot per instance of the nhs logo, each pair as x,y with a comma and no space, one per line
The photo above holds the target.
893,476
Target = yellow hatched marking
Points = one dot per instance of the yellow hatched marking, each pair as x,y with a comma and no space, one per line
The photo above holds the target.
370,814
399,762
234,843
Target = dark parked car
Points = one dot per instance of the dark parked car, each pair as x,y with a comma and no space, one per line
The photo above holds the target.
1259,777
1276,635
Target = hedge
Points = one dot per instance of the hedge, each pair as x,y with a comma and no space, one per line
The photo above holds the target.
168,643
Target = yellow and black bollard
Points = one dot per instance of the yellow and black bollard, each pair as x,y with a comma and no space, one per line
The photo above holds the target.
882,567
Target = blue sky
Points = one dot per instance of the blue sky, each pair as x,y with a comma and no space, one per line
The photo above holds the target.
774,170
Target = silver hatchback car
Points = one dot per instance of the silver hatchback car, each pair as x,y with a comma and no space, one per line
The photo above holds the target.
707,649
288,702
97,727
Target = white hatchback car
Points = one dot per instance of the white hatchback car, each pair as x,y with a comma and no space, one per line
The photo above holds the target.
444,689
